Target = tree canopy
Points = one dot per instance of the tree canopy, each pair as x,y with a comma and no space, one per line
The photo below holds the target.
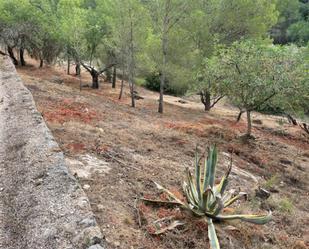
213,48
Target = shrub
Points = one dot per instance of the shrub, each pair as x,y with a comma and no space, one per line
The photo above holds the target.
152,82
205,199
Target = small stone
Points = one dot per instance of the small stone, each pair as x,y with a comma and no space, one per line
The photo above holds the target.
285,161
89,236
88,222
262,193
83,203
86,187
100,207
257,121
96,247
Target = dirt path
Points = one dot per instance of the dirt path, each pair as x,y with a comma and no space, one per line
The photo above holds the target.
41,204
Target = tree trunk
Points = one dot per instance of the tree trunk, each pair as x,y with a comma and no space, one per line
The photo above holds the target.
132,92
206,100
95,80
162,79
122,83
131,62
164,51
239,116
21,57
114,77
11,54
41,63
291,119
249,125
69,64
77,69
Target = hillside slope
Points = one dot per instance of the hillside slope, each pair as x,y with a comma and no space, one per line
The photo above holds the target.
117,152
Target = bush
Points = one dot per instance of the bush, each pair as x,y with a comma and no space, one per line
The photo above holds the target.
152,82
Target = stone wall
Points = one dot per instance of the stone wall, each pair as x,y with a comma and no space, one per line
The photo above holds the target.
41,204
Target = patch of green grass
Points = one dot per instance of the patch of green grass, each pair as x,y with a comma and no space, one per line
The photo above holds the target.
285,205
271,182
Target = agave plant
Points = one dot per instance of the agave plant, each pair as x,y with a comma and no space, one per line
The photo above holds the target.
207,199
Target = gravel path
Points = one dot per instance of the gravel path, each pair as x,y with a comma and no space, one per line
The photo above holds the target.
41,204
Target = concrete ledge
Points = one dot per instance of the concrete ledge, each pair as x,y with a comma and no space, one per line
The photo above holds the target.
41,204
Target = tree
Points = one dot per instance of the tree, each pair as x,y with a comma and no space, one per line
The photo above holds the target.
212,23
129,32
17,27
293,101
85,33
256,73
293,23
238,19
165,15
209,82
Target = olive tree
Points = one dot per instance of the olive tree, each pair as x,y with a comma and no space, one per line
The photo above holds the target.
293,101
209,83
256,73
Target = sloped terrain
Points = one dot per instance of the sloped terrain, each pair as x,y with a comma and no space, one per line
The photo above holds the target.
117,152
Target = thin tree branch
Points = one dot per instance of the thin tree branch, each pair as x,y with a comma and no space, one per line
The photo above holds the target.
216,101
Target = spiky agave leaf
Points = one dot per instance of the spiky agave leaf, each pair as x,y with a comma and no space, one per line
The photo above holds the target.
181,203
220,188
192,188
170,194
230,201
213,239
198,175
252,218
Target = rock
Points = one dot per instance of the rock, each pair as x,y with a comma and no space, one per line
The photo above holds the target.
262,193
97,246
285,161
83,203
117,243
88,222
257,121
182,101
86,187
89,236
100,207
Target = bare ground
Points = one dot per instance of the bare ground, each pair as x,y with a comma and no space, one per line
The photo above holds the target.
117,152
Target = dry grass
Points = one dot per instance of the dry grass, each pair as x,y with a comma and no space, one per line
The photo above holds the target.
141,145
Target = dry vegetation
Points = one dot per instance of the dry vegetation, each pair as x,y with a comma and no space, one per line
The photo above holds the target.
117,151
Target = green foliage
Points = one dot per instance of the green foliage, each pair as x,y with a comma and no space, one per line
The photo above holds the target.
283,205
286,205
259,74
271,182
293,22
152,82
207,199
246,18
294,98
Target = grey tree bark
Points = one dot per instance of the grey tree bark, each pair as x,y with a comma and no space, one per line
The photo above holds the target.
249,124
